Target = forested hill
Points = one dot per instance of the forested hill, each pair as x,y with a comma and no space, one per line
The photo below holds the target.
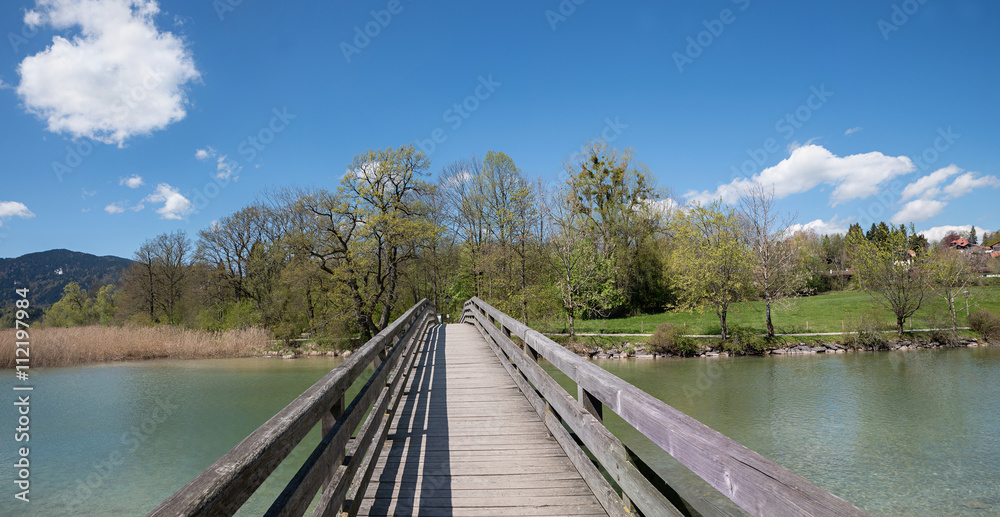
46,273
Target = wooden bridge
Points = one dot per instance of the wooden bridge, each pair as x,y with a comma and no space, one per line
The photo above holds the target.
461,420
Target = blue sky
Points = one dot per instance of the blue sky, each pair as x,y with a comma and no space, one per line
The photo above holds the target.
126,119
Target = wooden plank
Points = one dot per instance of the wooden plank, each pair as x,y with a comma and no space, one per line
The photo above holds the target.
467,442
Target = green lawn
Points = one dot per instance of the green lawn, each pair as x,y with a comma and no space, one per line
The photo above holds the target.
830,312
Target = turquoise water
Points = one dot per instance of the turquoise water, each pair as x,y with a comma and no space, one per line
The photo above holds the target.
118,439
896,433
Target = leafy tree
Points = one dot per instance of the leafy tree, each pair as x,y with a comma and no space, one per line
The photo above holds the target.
75,308
888,273
711,262
949,274
363,235
772,259
612,192
585,276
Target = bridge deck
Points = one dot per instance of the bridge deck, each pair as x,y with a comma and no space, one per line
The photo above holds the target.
465,441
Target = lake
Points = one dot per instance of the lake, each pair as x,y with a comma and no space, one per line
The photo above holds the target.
896,433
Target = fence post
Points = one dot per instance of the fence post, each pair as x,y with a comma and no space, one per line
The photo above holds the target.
326,423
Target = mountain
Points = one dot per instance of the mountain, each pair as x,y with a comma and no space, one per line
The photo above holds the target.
46,273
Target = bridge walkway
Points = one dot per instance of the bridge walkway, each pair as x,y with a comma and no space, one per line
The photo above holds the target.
466,442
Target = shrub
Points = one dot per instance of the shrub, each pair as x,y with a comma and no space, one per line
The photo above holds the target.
744,340
669,338
986,324
867,333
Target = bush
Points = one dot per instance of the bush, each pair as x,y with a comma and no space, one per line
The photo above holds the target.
744,340
867,333
669,338
986,324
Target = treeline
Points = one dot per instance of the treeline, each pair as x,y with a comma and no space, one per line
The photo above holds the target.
606,242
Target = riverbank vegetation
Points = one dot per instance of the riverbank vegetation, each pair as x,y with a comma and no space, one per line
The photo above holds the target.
605,250
56,346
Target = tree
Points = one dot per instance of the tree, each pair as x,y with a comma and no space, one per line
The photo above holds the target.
363,235
889,273
949,275
973,239
75,308
772,259
586,277
710,258
613,194
157,281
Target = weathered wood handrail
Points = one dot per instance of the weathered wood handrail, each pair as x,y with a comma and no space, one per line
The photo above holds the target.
755,483
225,486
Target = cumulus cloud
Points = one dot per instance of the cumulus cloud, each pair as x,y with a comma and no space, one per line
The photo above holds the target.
225,168
821,227
117,78
10,209
114,208
918,210
965,183
133,181
855,176
204,154
175,205
929,185
852,130
938,232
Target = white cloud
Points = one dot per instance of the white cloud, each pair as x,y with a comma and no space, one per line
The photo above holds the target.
204,154
119,77
133,181
821,227
918,210
175,206
938,232
114,208
852,130
88,193
10,209
856,176
965,183
929,186
225,168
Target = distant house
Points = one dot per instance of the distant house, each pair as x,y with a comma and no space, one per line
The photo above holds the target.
960,243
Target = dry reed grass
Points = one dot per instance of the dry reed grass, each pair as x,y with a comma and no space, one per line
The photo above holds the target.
97,344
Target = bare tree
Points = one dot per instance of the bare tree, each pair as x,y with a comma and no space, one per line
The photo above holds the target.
772,258
949,275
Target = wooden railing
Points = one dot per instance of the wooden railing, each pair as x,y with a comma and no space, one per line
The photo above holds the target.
756,484
342,464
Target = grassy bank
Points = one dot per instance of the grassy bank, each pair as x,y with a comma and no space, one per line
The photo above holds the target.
830,312
98,344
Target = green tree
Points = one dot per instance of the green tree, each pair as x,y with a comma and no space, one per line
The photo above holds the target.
363,235
889,273
585,275
973,239
772,258
75,308
613,194
710,259
949,274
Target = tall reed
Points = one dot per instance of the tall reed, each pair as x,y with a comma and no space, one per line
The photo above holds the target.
99,344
